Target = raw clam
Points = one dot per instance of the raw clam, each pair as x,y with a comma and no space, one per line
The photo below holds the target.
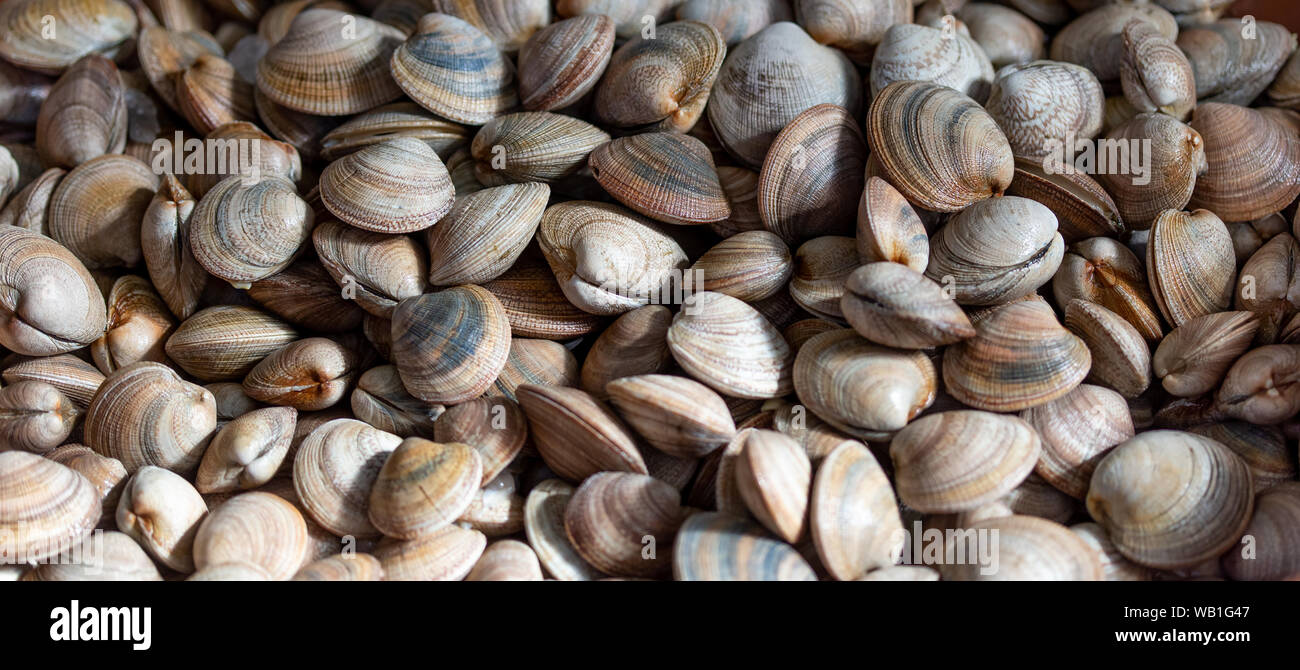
812,175
84,115
666,176
1191,267
662,82
35,417
381,401
494,426
396,186
1077,430
676,415
376,270
1121,359
452,69
996,251
561,63
889,229
896,306
910,52
334,470
450,346
613,516
578,435
248,451
957,461
259,528
242,232
145,414
45,508
162,511
96,209
1193,358
423,487
730,346
225,342
485,233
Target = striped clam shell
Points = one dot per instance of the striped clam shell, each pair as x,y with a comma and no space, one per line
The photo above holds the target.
81,27
145,414
54,305
45,508
669,177
484,233
450,346
243,232
663,82
96,210
395,186
455,71
563,61
812,176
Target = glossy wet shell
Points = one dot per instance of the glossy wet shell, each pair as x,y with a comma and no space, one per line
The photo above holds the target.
244,232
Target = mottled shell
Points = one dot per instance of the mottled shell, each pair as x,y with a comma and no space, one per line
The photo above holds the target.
853,515
145,414
450,346
334,470
52,304
452,69
996,251
84,115
448,554
563,61
957,461
896,306
1077,430
259,528
1195,510
45,507
376,270
938,147
162,511
485,233
509,23
661,82
1040,105
313,71
769,79
731,347
911,52
610,515
223,343
81,27
635,343
1120,357
812,175
422,487
1191,267
666,176
1020,357
96,209
1193,358
533,146
856,28
578,435
494,426
676,415
395,186
1095,39
544,524
713,546
242,232
1172,156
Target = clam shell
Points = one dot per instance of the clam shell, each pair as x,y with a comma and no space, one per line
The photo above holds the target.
485,233
1020,357
106,474
562,62
301,130
1077,430
1104,271
211,93
248,451
342,568
1274,530
666,176
311,70
231,571
225,342
448,554
255,527
73,377
398,119
1155,73
736,20
262,155
1260,387
138,326
35,416
661,81
1115,568
96,209
772,475
395,186
242,232
533,146
1233,67
423,487
635,343
1263,448
676,415
53,305
496,510
305,295
822,265
82,27
996,251
1043,104
455,71
577,435
508,560
376,270
627,14
494,426
957,461
381,401
910,52
334,470
165,245
145,414
1120,357
165,54
541,362
111,557
29,207
1190,265
1194,511
450,346
1193,358
45,507
84,115
852,27
853,516
731,347
813,174
750,265
1030,549
544,515
713,546
310,374
613,516
769,79
1082,206
889,229
741,187
1254,163
1265,285
1175,164
535,305
1095,39
162,511
896,306
509,23
938,147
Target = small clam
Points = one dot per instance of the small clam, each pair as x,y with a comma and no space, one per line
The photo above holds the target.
862,388
225,342
1195,356
423,487
821,267
165,245
771,475
661,82
533,146
1176,162
35,416
261,156
540,362
211,93
162,511
1104,271
248,451
398,119
855,28
1077,430
305,295
231,571
448,554
1120,357
139,323
1019,102
750,265
1095,39
29,207
334,470
311,70
1155,73
84,115
107,474
735,19
1007,36
494,426
381,401
376,270
562,62
812,175
730,346
45,507
1193,512
676,415
1114,566
853,514
1020,357
1268,283
450,346
608,260
896,306
1029,549
1261,386
1263,448
666,176
957,461
938,147
611,515
713,546
396,186
627,14
544,515
145,414
996,251
635,343
242,232
259,528
111,557
1082,206
509,23
578,435
452,69
342,568
81,27
1275,531
165,55
96,209
1254,163
535,305
769,79
911,52
508,560
485,233
1230,66
310,374
73,377
889,229
1190,265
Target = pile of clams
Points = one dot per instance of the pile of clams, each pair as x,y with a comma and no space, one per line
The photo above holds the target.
658,289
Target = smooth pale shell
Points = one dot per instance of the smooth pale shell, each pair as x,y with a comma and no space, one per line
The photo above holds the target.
446,555
544,525
255,527
1030,549
507,560
730,346
957,461
852,513
772,474
162,511
996,251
